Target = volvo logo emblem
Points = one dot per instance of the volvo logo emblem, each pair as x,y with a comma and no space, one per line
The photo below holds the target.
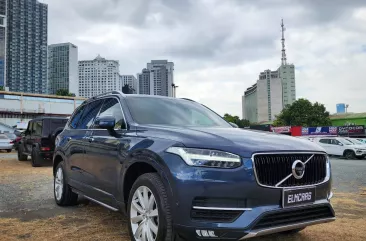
298,169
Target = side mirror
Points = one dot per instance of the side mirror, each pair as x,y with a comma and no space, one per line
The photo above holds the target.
233,125
105,122
340,144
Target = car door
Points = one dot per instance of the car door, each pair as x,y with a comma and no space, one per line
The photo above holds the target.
106,152
27,140
36,133
325,143
74,148
84,165
337,147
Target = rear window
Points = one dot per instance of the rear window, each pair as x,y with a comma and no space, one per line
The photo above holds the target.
50,125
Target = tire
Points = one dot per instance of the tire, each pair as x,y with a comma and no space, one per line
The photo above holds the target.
35,158
8,151
349,155
293,231
21,156
62,192
155,186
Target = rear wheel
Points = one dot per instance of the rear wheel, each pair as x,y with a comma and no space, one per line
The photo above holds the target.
349,155
63,194
35,158
21,156
9,150
149,210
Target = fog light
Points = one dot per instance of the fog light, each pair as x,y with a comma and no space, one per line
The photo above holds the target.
206,233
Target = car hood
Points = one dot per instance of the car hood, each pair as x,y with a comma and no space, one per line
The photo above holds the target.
358,146
234,140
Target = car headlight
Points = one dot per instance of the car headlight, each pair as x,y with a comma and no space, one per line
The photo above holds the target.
206,158
360,149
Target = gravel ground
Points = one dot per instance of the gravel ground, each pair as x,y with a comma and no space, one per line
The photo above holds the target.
28,211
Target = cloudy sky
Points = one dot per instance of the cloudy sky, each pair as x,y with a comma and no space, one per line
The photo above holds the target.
219,47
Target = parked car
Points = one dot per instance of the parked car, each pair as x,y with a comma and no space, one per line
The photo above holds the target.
181,172
339,146
363,140
5,143
355,141
38,140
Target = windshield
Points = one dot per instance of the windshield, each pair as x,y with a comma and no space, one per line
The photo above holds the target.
354,141
174,112
346,142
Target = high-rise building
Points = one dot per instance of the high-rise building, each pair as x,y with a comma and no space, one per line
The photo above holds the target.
131,81
26,46
157,78
98,76
63,68
272,91
2,41
144,82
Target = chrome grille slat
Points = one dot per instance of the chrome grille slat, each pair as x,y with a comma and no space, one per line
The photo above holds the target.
271,168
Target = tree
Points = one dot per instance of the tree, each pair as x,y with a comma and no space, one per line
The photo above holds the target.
303,113
235,119
64,92
126,89
2,88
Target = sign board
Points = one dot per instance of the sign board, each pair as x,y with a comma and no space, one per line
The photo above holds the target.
351,130
323,130
281,129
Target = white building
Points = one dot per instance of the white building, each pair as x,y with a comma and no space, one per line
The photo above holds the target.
18,107
157,78
131,81
287,74
63,68
98,76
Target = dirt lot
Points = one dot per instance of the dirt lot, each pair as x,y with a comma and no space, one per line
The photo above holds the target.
28,212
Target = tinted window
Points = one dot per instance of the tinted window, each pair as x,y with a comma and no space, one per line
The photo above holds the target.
37,128
90,112
57,123
175,112
76,117
325,141
112,107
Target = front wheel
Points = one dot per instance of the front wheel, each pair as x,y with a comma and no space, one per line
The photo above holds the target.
349,155
63,194
21,156
149,210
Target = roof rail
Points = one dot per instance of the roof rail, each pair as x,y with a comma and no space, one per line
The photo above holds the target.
188,99
115,92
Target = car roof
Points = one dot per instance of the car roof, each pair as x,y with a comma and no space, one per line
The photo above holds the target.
49,118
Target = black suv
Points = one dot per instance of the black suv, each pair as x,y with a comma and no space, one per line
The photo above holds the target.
180,171
38,141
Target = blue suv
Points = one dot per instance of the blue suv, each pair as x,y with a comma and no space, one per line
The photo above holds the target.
181,172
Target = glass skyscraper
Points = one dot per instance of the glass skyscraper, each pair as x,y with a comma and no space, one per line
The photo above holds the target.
2,41
26,49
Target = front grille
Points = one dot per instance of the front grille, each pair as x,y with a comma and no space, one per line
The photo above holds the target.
286,217
272,168
220,216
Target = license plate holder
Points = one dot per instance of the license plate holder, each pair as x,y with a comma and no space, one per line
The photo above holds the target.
298,197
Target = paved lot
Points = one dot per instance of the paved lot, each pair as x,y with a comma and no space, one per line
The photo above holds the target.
28,211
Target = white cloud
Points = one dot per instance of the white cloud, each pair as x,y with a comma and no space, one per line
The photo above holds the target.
219,47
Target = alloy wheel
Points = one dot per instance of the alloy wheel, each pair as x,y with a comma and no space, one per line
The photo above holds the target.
144,215
59,184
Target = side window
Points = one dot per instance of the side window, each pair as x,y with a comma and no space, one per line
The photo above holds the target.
335,142
90,112
112,107
325,141
37,128
29,128
76,117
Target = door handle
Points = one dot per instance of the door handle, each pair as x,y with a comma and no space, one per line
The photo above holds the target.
91,139
69,138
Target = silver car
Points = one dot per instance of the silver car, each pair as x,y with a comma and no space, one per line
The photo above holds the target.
5,143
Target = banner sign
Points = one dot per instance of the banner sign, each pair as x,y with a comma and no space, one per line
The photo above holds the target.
281,129
349,130
324,130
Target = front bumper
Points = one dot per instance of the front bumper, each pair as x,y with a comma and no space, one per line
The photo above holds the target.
234,189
